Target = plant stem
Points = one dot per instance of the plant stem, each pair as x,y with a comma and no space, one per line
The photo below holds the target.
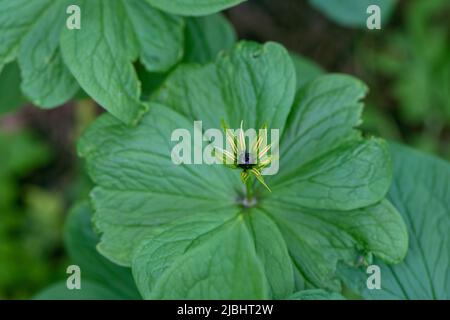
249,189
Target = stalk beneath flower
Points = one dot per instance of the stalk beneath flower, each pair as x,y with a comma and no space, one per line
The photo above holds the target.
249,189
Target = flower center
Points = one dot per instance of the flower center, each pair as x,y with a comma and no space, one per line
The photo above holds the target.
246,161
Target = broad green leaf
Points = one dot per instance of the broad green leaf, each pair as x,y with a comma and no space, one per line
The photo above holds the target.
206,37
252,83
30,32
80,241
15,26
305,69
170,222
193,7
324,115
160,35
273,253
224,267
89,291
354,175
113,35
318,239
46,80
316,294
11,96
156,254
353,13
421,192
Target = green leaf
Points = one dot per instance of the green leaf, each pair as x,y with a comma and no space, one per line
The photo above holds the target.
15,26
323,116
316,294
160,35
154,255
318,239
206,37
252,83
112,36
89,291
222,266
273,253
11,96
193,7
421,192
305,69
172,223
80,241
352,13
46,80
30,32
354,175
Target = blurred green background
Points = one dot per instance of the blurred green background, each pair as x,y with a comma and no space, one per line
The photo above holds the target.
406,66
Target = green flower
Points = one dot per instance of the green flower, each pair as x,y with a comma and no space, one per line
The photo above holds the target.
184,229
249,159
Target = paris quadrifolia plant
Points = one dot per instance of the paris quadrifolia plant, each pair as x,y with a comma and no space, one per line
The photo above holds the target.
185,229
318,200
